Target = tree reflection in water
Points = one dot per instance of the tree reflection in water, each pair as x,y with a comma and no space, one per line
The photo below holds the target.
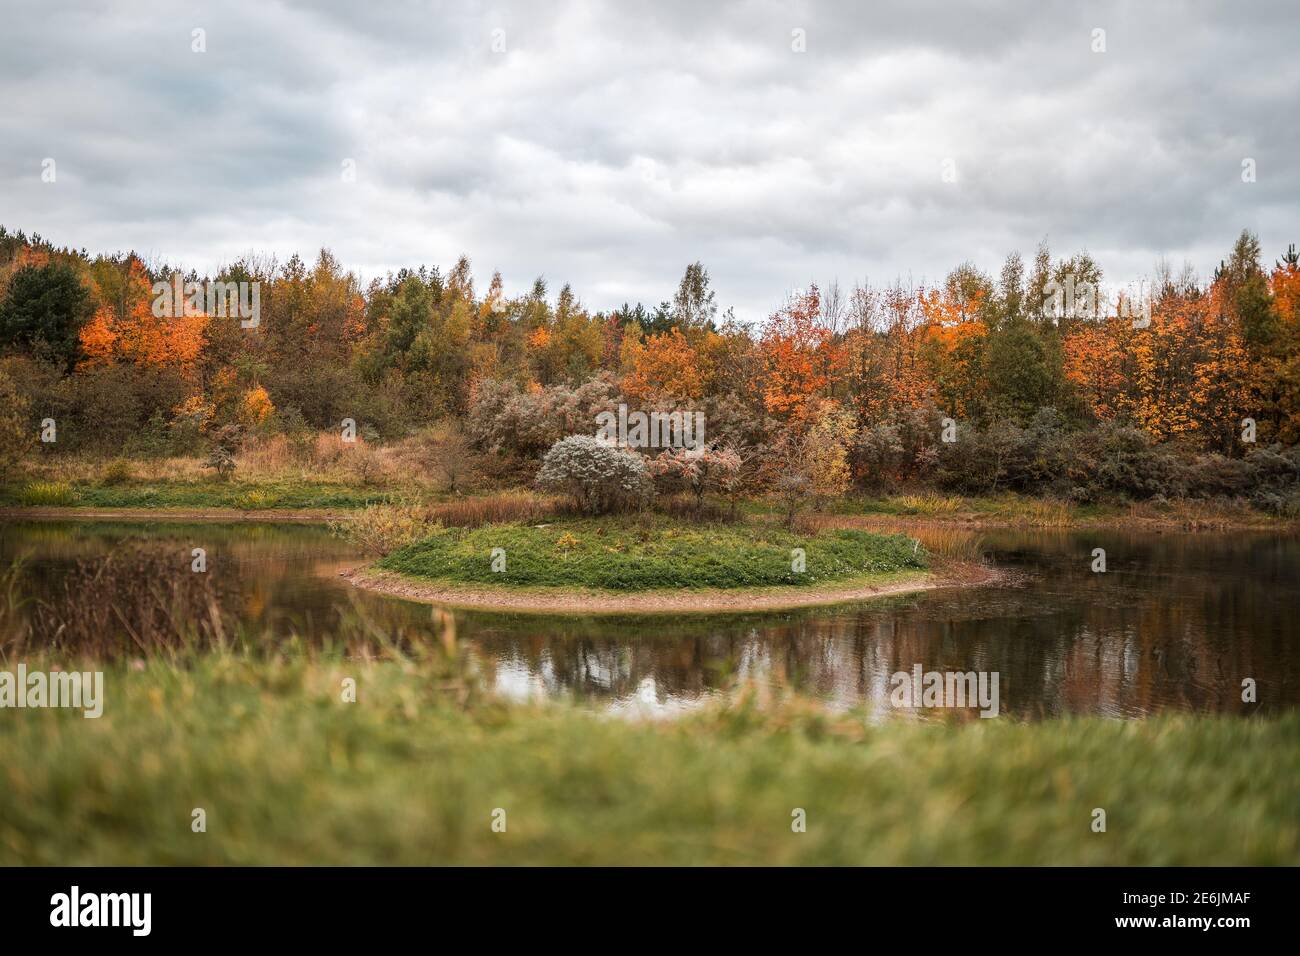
1176,622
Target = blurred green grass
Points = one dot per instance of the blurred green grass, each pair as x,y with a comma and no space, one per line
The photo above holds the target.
412,772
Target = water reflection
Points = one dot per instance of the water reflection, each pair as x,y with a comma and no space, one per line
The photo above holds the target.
1176,622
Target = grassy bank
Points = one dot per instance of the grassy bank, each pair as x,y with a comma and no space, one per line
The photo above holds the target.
187,486
1020,511
196,493
288,773
640,554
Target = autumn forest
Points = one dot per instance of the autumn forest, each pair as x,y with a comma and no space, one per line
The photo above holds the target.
978,383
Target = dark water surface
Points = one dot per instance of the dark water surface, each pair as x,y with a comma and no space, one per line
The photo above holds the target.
1175,623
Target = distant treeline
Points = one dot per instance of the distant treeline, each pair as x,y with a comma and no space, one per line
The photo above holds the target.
1178,387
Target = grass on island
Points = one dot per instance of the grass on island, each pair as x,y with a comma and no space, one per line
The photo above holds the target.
288,773
649,553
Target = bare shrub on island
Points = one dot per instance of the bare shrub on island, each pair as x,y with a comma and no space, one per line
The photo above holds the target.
225,445
694,470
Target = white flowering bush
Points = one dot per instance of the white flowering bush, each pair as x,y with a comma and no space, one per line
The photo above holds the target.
599,477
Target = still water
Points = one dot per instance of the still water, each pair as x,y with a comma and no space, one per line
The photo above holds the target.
1175,623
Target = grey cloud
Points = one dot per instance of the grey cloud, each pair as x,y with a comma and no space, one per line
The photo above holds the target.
614,143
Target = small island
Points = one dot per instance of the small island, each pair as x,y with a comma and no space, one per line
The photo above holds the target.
652,563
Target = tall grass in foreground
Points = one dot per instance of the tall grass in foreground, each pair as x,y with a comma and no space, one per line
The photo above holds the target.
262,732
142,603
132,599
289,772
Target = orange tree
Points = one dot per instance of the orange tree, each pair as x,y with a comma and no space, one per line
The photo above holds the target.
800,357
664,365
129,331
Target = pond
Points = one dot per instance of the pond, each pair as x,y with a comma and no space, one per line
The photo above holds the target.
1176,622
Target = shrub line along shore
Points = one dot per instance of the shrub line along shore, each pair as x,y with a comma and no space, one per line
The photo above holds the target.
266,516
973,520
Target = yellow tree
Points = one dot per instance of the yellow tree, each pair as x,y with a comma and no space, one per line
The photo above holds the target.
662,366
1279,378
1185,376
951,345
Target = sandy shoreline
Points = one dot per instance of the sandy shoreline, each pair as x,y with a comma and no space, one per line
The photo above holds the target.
715,601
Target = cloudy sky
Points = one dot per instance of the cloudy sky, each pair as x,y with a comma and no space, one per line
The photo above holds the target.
609,144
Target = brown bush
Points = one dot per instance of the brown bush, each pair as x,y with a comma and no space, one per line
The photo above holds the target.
688,508
381,529
266,455
494,509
